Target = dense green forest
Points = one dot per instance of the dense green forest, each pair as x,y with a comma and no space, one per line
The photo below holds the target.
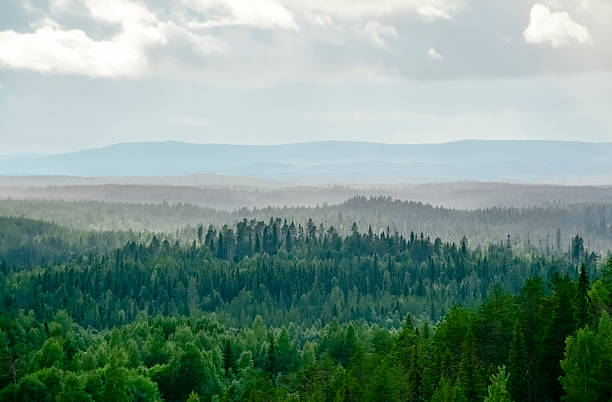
291,310
27,242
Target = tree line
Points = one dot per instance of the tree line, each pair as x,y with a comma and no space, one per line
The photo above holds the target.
545,227
282,272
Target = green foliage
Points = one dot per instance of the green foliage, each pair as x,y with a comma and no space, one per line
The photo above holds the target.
561,325
583,313
379,278
366,317
518,381
588,364
498,391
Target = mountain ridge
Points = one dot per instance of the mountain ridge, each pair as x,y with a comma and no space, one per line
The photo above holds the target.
526,160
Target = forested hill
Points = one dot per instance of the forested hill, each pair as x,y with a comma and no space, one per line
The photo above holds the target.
276,312
547,227
28,242
284,272
463,160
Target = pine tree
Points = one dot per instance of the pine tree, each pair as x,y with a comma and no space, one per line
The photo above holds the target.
445,391
518,383
561,325
220,247
194,397
470,370
228,357
531,298
271,361
577,248
583,301
200,234
497,390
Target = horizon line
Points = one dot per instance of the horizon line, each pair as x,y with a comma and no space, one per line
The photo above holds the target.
36,155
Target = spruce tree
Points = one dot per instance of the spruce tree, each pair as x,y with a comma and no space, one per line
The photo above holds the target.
470,370
583,301
271,361
498,391
561,325
518,383
200,234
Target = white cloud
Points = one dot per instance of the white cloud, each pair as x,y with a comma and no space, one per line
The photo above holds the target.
377,32
432,13
285,13
433,54
120,11
264,42
51,48
601,8
360,9
256,13
557,28
185,30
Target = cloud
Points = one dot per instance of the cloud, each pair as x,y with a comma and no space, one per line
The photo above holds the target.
434,55
131,38
558,28
257,43
51,48
377,31
359,9
284,13
254,13
432,13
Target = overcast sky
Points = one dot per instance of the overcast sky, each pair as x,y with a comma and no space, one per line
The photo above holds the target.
81,73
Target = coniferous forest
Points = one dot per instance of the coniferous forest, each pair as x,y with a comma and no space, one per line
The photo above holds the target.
295,309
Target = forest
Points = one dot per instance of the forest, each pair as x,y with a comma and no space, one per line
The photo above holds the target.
544,226
295,309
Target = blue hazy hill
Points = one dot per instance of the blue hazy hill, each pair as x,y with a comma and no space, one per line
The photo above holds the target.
461,160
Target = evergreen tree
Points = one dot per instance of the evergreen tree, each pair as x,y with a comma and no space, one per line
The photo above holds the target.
561,325
577,248
518,383
583,301
498,389
470,370
271,360
200,233
445,391
588,364
228,357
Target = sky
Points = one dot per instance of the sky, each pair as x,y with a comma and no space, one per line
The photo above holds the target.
76,74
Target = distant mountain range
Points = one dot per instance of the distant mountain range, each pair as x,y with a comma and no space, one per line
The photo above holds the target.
529,161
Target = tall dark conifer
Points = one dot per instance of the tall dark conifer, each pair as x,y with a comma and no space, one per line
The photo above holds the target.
561,325
518,382
583,301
